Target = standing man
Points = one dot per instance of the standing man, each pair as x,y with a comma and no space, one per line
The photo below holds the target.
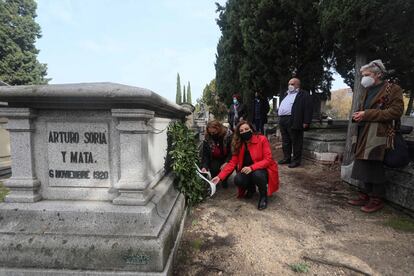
295,115
260,108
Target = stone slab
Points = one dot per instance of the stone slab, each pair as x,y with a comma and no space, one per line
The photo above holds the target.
168,270
103,95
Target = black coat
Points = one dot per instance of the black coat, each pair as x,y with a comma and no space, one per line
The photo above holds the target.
302,110
264,109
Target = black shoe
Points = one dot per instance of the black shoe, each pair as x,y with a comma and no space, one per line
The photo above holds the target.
284,161
262,203
294,165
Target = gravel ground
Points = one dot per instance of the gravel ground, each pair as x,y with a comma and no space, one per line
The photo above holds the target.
307,227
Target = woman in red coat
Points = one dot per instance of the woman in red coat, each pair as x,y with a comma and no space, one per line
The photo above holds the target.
252,158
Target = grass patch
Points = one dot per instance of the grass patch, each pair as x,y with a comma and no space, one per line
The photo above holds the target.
196,244
402,224
194,222
3,191
299,267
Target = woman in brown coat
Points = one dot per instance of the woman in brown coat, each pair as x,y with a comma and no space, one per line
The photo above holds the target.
381,105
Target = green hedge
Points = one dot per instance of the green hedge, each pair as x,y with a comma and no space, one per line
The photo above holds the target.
183,155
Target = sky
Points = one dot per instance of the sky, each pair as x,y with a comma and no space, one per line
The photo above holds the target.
133,42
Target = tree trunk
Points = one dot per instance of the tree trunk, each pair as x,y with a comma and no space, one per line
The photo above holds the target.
360,60
410,103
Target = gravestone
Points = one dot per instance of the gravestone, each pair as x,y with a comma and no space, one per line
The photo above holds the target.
88,191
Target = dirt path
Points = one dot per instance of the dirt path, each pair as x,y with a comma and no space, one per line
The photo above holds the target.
307,224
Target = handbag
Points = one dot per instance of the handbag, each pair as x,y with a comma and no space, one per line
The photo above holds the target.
397,156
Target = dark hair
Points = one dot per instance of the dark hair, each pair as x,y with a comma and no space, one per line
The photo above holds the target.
237,96
237,141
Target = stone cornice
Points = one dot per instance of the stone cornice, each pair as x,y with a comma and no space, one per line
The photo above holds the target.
104,95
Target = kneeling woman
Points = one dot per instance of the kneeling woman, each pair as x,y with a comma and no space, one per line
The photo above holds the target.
252,158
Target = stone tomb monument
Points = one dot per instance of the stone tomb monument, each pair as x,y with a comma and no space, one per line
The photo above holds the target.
88,193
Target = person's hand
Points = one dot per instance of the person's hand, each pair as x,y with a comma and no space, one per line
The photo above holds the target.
222,166
358,116
215,180
246,170
203,170
305,126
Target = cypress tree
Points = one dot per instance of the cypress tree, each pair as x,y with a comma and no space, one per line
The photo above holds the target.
18,34
184,98
189,93
178,93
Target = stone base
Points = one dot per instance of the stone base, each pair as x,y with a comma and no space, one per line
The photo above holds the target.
91,238
399,188
324,145
322,157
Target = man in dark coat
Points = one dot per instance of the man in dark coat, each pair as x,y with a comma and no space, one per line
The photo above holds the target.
295,116
260,108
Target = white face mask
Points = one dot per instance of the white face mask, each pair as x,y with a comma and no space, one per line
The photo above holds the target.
367,81
291,88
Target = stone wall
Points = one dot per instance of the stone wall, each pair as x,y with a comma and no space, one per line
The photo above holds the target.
5,162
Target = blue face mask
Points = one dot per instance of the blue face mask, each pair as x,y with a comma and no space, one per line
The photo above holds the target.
235,101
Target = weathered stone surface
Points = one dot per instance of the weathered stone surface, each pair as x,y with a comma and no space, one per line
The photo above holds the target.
90,235
5,162
400,186
324,145
104,95
93,156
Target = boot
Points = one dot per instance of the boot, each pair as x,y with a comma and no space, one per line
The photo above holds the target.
374,204
262,202
361,200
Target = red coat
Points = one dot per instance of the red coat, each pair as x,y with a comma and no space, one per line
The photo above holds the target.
261,154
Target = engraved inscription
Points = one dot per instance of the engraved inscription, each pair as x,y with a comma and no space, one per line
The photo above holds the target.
78,154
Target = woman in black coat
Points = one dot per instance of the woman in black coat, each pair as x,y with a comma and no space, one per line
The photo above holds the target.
237,112
216,150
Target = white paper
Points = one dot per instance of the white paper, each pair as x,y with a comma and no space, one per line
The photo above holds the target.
204,173
212,185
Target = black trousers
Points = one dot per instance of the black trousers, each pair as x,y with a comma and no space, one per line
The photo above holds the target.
371,177
259,125
250,181
215,165
292,140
